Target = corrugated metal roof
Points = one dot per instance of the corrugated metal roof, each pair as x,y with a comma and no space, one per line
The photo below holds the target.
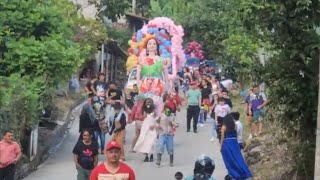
137,16
114,45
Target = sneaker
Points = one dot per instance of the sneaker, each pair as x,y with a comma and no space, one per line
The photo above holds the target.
250,137
201,125
212,139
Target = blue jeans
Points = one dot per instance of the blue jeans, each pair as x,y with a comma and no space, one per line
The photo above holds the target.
213,127
166,140
201,115
102,136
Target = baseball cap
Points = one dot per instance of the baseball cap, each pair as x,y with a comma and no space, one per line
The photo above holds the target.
193,83
112,144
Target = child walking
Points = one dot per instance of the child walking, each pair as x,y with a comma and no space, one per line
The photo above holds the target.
220,111
173,102
165,130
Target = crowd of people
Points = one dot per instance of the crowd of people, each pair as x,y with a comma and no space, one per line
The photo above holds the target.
205,100
108,111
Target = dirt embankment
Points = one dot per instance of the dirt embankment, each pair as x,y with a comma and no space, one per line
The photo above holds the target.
269,157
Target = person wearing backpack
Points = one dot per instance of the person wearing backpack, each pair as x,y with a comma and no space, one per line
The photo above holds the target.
258,100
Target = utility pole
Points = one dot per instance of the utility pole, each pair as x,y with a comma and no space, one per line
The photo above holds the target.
134,5
317,151
102,58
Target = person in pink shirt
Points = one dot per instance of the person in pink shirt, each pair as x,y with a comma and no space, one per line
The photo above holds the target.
10,153
136,115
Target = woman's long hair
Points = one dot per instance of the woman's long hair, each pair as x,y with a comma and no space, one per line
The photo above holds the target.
148,108
86,130
229,123
87,112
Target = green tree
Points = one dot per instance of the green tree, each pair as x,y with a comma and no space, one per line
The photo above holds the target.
175,9
217,24
40,47
112,9
143,7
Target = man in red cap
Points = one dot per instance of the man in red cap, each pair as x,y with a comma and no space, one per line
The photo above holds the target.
112,168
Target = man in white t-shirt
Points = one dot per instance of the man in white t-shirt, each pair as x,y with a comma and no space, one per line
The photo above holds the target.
239,127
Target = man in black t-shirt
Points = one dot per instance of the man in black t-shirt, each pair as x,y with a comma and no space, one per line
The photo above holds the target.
85,154
135,91
114,94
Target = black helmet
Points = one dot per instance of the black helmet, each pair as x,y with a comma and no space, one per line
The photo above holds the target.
203,168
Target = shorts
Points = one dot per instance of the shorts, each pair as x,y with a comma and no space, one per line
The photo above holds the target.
185,87
258,115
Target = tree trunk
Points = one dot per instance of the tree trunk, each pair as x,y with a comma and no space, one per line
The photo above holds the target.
317,154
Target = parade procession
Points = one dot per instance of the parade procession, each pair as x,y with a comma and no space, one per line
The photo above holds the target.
151,101
159,90
172,96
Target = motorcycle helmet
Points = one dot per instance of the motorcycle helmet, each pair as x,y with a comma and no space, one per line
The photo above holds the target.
178,176
203,168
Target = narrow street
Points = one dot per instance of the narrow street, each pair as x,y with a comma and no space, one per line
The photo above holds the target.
188,146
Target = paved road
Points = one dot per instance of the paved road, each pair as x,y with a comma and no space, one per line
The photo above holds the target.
188,146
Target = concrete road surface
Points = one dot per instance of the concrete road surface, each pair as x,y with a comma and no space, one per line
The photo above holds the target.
188,146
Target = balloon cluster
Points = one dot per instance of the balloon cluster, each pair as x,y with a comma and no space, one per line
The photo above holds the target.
169,37
194,50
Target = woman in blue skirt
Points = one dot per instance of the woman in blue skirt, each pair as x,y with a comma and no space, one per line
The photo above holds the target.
231,154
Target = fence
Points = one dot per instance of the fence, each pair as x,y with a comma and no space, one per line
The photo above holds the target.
4,120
